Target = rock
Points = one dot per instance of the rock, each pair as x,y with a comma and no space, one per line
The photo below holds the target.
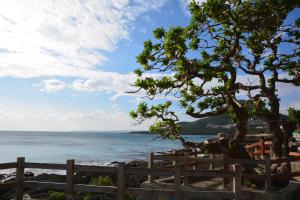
28,174
280,169
2,176
137,163
7,194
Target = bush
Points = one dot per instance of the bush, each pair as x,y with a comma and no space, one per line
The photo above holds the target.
56,195
87,196
101,180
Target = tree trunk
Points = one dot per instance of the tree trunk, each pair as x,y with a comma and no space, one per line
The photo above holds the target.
236,145
288,128
274,128
274,123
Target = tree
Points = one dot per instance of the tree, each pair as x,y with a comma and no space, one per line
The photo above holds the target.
202,65
272,56
294,116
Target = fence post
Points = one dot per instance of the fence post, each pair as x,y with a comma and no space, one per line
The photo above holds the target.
150,165
186,167
174,161
70,179
255,155
20,178
226,167
195,156
237,182
211,165
121,181
177,182
262,147
268,180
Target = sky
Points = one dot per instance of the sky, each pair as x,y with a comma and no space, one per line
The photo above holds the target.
67,64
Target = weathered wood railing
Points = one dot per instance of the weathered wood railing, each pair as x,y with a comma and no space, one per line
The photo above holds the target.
263,147
192,162
120,189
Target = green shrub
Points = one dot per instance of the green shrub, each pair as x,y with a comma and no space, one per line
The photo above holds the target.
87,196
130,197
56,195
101,180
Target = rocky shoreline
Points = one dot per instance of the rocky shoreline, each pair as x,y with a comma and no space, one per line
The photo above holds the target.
80,178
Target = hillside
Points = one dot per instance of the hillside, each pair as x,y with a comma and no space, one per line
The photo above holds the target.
216,124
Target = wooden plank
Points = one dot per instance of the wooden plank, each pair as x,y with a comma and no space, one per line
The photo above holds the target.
281,160
244,161
194,194
186,167
254,176
207,160
171,166
150,165
45,166
146,171
121,181
237,182
8,165
90,168
253,145
255,153
20,178
138,191
70,179
167,157
262,146
225,168
294,143
294,153
268,181
184,193
211,165
177,183
289,175
208,173
8,185
268,143
95,188
259,152
46,185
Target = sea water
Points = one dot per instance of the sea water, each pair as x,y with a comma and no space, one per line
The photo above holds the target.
84,147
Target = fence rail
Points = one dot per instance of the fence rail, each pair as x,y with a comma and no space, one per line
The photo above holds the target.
70,187
263,147
188,161
183,166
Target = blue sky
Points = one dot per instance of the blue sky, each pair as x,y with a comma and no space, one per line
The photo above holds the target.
67,64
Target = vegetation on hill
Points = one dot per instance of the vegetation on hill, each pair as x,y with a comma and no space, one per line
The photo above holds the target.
216,124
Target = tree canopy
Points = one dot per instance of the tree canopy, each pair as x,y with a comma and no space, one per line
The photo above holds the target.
229,58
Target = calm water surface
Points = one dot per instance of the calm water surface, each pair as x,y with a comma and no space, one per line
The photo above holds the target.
85,147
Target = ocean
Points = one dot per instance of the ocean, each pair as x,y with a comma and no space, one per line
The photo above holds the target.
85,147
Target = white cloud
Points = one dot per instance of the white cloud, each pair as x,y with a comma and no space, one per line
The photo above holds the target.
112,83
116,82
63,38
51,85
185,5
49,119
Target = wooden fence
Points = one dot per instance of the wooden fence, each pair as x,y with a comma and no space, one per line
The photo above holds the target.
263,147
70,187
191,162
184,165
